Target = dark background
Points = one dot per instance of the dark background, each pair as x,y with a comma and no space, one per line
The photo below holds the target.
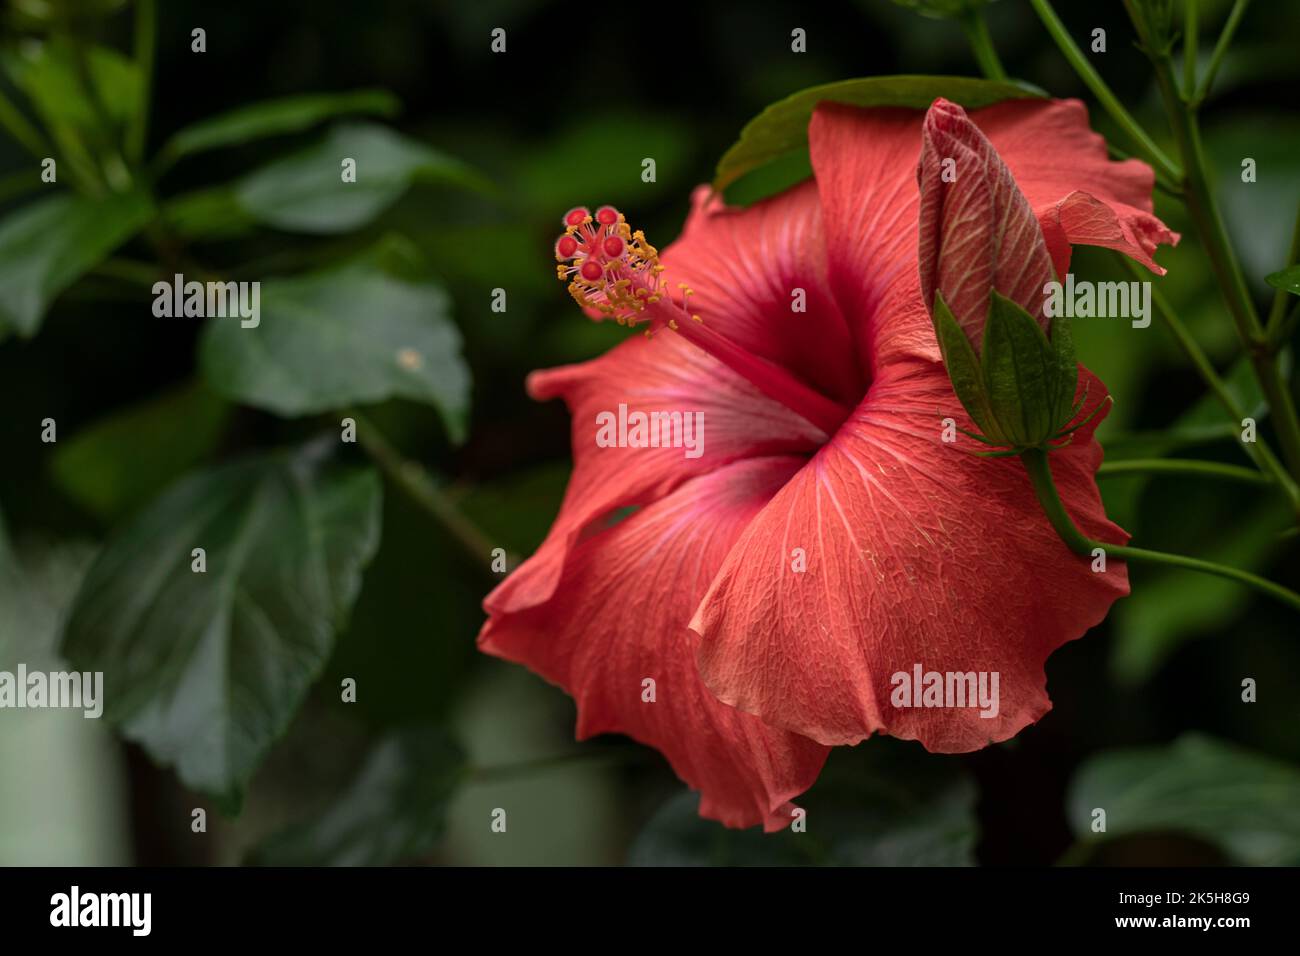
563,118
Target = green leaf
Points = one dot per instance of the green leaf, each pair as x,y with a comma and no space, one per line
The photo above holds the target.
1063,379
279,117
890,805
1287,279
84,94
353,334
205,670
1019,372
1246,804
964,370
782,128
305,192
123,460
394,812
769,180
51,76
208,214
49,244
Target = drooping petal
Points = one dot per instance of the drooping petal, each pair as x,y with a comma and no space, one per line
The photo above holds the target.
1081,219
1081,195
865,159
618,620
758,275
977,230
663,374
917,553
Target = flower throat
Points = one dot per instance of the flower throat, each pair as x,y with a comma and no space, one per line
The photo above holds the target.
614,271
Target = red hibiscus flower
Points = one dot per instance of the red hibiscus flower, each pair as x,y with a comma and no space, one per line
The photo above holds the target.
747,608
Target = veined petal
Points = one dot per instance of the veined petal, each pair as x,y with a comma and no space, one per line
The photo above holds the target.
917,553
618,619
666,375
758,276
1081,195
977,230
865,162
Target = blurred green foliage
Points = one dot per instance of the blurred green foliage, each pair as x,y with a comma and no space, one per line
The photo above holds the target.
224,165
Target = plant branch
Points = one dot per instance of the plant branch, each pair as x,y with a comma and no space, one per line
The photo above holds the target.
419,485
1182,466
1281,297
1040,476
1146,145
1258,450
1220,48
1223,260
1189,47
977,32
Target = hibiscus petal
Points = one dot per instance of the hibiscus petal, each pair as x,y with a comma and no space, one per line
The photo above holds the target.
1081,195
977,230
745,266
619,617
917,552
865,163
662,374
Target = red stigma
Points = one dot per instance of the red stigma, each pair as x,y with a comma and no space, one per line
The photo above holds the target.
591,271
576,216
607,215
613,246
567,247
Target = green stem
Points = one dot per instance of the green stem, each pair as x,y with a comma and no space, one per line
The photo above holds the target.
1189,47
1220,48
1182,466
146,46
1040,475
1223,260
413,479
977,32
1258,450
1147,146
1282,298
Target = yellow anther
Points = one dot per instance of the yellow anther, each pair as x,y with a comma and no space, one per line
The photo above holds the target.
672,324
697,318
